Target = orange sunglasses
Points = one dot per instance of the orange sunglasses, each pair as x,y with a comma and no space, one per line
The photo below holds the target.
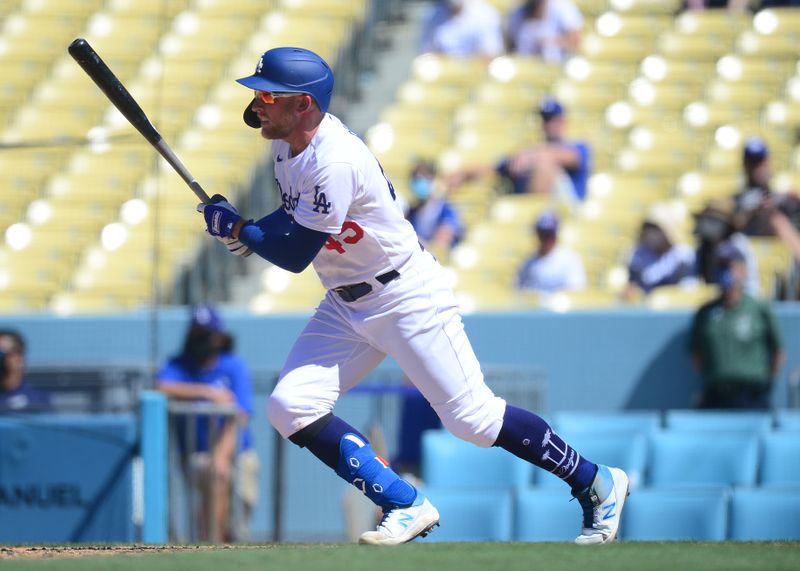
269,97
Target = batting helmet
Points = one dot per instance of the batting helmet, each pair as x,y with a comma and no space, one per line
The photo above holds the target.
293,70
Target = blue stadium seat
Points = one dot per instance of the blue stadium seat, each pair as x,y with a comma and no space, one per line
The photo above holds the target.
471,515
703,458
449,462
647,421
760,514
780,461
626,450
718,420
546,515
699,514
788,419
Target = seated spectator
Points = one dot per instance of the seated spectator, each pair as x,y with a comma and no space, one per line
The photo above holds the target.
17,395
549,29
207,370
432,216
734,6
553,267
757,207
463,28
713,227
558,167
735,342
740,6
658,258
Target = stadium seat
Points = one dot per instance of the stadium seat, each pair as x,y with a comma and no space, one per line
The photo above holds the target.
707,458
624,449
780,461
765,514
788,419
471,515
676,514
546,515
644,422
697,420
450,462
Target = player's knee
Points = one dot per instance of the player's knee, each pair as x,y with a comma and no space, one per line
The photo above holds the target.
290,412
474,420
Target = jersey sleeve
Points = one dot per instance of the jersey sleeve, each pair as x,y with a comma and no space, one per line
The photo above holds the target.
171,372
241,385
326,197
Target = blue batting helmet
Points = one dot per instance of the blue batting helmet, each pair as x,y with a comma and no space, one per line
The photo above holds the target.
293,70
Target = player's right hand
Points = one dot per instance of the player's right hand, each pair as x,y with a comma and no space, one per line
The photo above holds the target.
220,216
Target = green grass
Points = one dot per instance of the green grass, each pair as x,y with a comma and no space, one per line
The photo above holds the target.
441,557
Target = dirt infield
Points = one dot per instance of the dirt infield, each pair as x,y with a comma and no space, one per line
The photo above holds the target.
49,551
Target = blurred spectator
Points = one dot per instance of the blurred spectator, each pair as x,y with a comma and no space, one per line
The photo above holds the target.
739,6
17,395
658,258
553,267
463,28
736,6
207,370
433,217
735,342
549,29
557,166
757,207
713,227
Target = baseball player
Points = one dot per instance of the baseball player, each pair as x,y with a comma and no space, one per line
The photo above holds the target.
386,296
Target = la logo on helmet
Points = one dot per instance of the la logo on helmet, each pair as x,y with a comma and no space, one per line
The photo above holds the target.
260,65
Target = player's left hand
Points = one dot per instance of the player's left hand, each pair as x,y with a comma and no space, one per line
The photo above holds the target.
220,216
234,246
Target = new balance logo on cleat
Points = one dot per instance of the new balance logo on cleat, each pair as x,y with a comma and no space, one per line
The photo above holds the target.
405,519
401,525
602,505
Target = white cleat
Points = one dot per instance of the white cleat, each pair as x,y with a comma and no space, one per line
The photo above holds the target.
602,505
401,525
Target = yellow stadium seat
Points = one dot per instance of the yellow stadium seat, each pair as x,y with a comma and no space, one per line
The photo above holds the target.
523,70
443,70
621,48
768,47
681,296
646,6
720,23
694,47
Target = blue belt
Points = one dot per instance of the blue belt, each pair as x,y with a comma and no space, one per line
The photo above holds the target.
353,292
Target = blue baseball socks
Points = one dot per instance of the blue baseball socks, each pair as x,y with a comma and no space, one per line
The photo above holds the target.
529,437
349,453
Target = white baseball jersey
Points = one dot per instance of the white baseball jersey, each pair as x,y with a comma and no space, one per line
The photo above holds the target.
336,185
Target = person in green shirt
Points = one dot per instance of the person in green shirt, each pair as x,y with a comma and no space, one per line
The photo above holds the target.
734,341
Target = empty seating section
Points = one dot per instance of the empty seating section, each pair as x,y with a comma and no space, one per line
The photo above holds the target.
92,219
695,475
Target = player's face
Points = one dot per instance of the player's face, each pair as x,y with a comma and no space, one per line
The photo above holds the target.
277,113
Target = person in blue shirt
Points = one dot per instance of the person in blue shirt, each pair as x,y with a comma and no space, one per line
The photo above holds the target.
207,370
557,166
435,220
17,395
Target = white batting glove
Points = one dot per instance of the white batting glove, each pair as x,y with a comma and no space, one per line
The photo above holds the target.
234,246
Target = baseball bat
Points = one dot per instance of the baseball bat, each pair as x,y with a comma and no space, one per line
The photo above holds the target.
104,78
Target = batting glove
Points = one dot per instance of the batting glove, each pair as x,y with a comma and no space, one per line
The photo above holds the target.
234,246
220,216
